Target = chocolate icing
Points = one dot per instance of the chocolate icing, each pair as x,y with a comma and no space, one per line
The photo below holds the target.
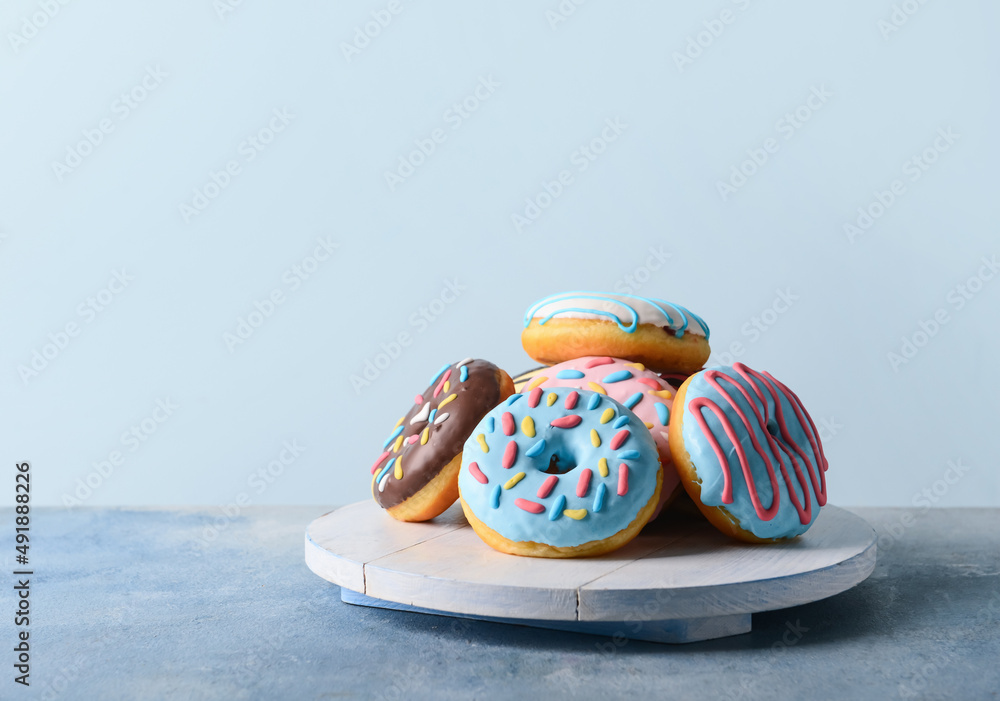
474,398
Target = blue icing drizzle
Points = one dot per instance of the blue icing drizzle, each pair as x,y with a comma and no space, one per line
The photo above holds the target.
662,412
620,421
621,300
513,398
463,374
616,376
439,373
607,512
381,474
488,424
430,417
628,455
495,497
633,400
569,374
786,522
399,429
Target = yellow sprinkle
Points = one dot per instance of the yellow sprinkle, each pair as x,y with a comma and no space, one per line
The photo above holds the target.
513,480
447,385
447,399
665,393
398,423
528,426
596,387
535,381
637,366
397,470
602,467
482,443
424,435
649,425
594,438
608,414
575,514
399,442
551,399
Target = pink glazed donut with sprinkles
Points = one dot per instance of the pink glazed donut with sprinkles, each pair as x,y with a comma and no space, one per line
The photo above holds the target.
646,393
559,473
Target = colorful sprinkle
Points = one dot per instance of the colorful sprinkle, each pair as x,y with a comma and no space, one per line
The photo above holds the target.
570,421
536,449
509,484
495,497
424,436
513,398
575,514
439,372
602,467
599,499
665,393
608,414
482,443
534,397
507,423
465,362
595,439
662,412
633,400
547,486
449,398
489,424
638,366
596,387
463,374
583,484
628,455
384,474
648,424
649,382
420,415
509,455
595,399
571,399
396,432
569,374
535,381
528,426
440,387
441,419
379,460
419,399
622,480
477,473
620,421
412,439
551,399
432,415
397,444
557,508
529,506
397,469
620,439
617,376
594,362
381,482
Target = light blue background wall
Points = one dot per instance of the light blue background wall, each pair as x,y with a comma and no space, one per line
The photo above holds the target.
891,432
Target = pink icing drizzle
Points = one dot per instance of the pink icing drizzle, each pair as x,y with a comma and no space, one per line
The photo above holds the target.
509,455
444,378
547,486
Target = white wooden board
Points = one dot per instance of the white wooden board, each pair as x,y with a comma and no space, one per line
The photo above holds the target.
681,577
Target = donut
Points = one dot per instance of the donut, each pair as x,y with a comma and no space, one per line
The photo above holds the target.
748,454
647,394
664,337
559,473
415,477
525,377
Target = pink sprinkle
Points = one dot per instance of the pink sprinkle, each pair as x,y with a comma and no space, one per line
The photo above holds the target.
477,473
566,421
507,421
380,459
419,399
440,386
649,382
529,506
622,480
509,455
619,439
534,397
594,362
413,439
571,399
583,486
547,486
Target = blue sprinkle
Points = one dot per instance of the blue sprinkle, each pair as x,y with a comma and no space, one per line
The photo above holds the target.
595,399
599,499
663,412
489,424
536,449
620,421
430,419
439,373
463,374
399,429
633,400
387,467
617,377
513,398
569,375
628,455
557,508
495,497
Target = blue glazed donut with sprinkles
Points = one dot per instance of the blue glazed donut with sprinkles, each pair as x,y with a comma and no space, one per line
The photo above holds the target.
559,472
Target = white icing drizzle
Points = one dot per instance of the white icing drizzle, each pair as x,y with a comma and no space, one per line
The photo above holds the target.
422,414
440,419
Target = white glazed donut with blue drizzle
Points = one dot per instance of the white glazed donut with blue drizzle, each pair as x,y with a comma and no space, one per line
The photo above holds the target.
664,336
559,473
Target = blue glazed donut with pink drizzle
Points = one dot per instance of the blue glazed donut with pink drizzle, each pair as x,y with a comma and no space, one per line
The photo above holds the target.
748,453
559,472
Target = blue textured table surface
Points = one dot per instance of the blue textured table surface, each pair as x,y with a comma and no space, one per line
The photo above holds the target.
150,604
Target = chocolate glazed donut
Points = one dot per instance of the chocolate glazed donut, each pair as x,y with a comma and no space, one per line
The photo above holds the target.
416,476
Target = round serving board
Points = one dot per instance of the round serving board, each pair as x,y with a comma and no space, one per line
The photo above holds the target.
680,580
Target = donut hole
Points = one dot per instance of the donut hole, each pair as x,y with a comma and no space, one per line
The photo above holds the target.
772,428
560,463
